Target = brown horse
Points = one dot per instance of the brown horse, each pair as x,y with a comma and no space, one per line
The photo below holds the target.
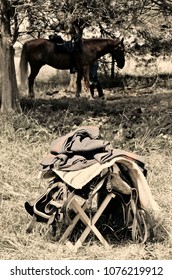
39,52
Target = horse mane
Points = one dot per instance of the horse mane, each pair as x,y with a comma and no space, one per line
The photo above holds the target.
96,39
99,40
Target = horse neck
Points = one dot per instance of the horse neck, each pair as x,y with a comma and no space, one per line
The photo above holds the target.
105,47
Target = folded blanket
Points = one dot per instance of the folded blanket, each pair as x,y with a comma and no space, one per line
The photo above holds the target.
80,149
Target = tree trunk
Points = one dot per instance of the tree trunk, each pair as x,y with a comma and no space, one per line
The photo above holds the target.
9,89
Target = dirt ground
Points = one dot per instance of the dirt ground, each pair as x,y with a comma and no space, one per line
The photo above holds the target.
128,111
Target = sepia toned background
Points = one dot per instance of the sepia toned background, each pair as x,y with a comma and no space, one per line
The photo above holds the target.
135,115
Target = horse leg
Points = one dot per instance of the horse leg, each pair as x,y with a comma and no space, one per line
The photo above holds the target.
100,90
32,76
72,83
92,87
86,77
78,83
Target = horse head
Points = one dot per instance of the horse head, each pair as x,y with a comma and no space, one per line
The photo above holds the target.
118,54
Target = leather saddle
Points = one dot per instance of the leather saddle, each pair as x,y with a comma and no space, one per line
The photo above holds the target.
62,45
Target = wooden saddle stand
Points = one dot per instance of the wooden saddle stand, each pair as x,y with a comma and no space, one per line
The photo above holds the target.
114,194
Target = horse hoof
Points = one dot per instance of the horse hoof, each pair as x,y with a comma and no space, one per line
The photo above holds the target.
102,98
31,95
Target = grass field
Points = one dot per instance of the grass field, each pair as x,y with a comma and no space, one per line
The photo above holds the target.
133,119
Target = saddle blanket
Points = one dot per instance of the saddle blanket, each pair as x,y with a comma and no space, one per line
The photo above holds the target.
81,155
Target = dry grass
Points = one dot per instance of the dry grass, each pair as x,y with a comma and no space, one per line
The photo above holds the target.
25,138
23,143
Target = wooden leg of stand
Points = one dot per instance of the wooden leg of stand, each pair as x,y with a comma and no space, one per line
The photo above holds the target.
31,224
91,224
71,226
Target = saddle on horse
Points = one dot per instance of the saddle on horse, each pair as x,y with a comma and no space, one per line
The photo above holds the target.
71,47
82,164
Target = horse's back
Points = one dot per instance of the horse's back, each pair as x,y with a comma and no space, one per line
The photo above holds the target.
43,51
35,43
38,49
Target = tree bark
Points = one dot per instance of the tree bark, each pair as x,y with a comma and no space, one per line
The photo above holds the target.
9,89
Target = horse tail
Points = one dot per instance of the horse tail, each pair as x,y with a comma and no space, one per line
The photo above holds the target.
23,67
